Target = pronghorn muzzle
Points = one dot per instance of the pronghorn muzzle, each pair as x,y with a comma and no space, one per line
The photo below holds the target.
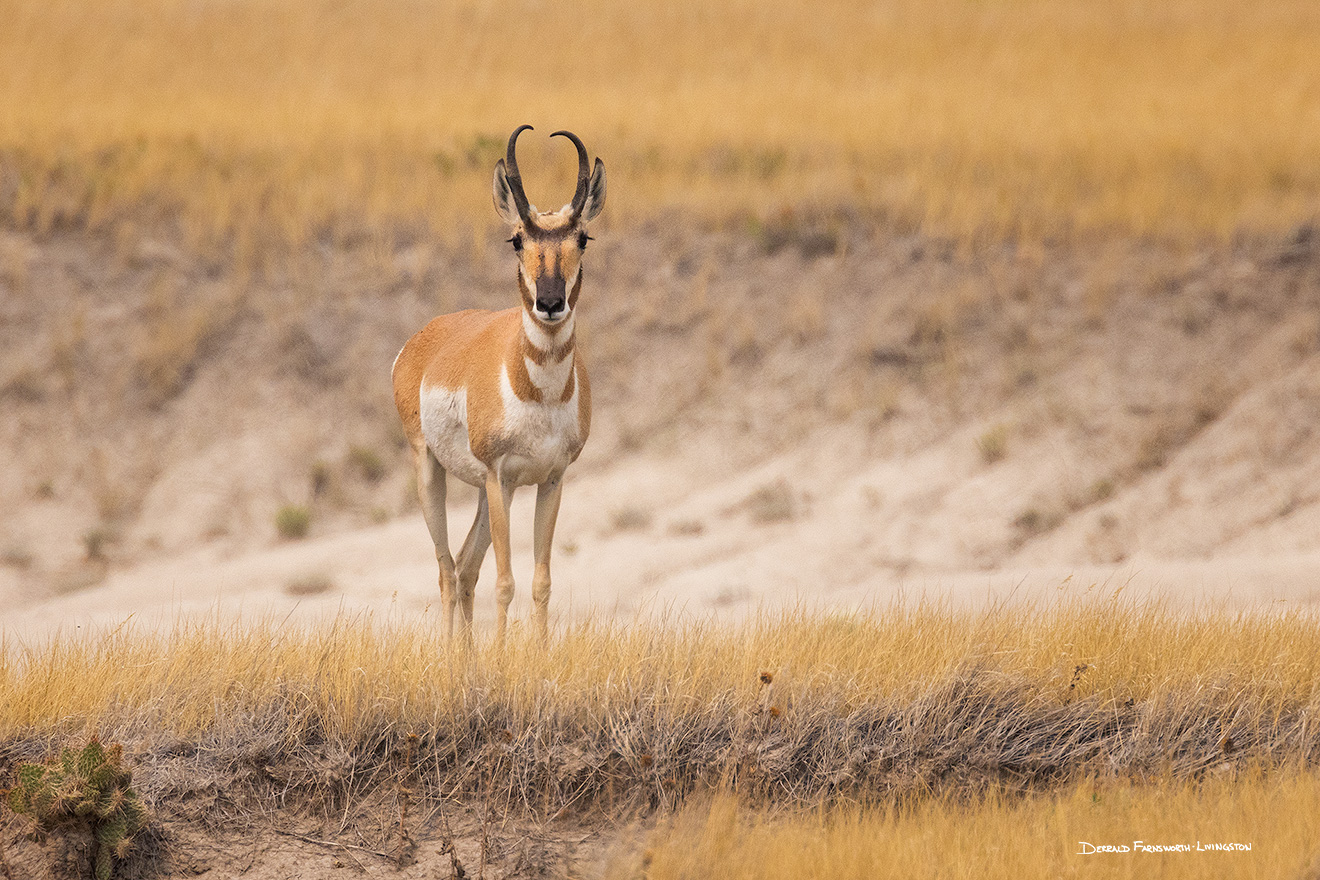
550,297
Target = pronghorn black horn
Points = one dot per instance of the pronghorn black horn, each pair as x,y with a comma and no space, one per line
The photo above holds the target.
584,173
515,179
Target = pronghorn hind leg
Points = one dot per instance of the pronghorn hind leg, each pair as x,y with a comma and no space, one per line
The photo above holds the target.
470,559
431,493
499,496
547,511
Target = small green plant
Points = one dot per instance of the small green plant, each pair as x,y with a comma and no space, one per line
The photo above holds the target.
993,444
368,463
292,521
321,476
90,788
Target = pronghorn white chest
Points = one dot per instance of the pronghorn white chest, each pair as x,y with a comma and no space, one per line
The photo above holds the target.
540,438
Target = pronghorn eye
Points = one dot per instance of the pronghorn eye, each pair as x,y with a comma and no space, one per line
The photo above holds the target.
583,238
517,241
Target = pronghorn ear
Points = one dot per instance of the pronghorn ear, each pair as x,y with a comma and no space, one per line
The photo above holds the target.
595,193
503,195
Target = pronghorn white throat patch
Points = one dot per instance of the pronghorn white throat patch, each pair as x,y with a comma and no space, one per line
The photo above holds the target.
552,374
547,341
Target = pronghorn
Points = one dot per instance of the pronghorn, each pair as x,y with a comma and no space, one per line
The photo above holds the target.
501,399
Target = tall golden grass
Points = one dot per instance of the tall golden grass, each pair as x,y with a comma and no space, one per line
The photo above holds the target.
360,671
1006,837
251,123
800,709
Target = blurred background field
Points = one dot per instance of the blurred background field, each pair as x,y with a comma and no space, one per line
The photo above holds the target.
284,122
1041,275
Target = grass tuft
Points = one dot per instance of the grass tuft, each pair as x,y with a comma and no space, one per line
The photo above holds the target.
293,521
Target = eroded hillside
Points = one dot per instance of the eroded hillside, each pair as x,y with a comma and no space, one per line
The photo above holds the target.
810,406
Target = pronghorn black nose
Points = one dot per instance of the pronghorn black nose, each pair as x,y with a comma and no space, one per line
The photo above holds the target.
550,295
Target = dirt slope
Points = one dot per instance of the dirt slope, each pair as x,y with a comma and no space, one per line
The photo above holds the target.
777,420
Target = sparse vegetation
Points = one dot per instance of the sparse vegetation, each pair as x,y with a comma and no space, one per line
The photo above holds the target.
1101,490
1035,521
993,444
16,556
321,476
312,584
292,521
96,541
367,462
172,338
772,503
687,527
1155,448
630,519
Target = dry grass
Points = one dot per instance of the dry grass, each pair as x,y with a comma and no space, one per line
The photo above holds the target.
249,124
799,709
1006,837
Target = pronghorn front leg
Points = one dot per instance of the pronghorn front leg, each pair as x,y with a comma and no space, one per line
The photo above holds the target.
499,496
547,511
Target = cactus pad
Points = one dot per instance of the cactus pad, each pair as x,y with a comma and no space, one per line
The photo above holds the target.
87,787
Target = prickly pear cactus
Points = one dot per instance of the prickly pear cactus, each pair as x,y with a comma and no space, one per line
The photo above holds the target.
90,786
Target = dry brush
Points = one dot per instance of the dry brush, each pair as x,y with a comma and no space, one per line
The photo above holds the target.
802,709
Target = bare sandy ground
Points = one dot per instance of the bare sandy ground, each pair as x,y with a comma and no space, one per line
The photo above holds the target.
820,527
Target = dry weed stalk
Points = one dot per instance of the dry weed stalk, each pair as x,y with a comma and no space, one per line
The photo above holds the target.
407,846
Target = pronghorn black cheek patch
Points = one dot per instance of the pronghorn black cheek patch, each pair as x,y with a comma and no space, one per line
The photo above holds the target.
524,291
577,287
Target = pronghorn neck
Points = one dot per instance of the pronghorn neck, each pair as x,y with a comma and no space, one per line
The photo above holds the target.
544,357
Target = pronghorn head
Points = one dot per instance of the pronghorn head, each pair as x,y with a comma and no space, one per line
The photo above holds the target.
549,244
